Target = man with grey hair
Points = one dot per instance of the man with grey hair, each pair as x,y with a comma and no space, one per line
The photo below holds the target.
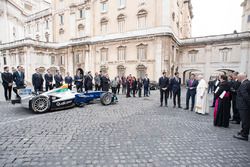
201,99
243,105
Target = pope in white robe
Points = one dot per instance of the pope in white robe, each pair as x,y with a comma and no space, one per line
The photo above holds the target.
201,97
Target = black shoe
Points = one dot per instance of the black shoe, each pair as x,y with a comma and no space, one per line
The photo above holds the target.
240,137
235,122
212,106
179,107
166,105
192,109
186,108
174,106
161,105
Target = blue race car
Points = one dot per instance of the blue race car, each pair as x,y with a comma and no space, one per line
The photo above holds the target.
106,98
61,98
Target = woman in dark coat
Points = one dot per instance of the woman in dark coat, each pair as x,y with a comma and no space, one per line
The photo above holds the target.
222,104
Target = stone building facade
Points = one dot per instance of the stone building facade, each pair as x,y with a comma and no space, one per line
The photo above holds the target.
124,37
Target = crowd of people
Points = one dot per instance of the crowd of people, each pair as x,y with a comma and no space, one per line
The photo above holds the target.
129,86
231,91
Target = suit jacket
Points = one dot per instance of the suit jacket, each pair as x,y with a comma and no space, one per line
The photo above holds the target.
164,82
175,85
146,82
243,96
58,79
37,80
7,78
48,78
192,88
234,88
88,82
19,78
78,80
68,80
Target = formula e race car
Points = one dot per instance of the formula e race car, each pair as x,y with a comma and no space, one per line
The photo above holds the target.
60,98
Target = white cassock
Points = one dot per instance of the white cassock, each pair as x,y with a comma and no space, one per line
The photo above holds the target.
201,103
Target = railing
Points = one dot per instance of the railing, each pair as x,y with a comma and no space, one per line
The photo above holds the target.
39,14
27,42
216,38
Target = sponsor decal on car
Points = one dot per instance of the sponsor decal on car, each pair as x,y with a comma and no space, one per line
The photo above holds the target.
63,103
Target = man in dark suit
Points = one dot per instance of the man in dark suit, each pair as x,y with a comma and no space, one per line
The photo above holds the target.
7,79
243,105
68,80
164,85
234,88
88,82
175,84
216,85
37,81
48,80
146,82
191,86
18,78
58,79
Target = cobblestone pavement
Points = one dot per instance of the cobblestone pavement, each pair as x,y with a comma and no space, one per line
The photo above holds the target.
134,133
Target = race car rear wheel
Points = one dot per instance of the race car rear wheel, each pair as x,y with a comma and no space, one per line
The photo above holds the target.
40,104
106,98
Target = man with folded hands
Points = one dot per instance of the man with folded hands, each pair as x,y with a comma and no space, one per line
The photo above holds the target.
164,85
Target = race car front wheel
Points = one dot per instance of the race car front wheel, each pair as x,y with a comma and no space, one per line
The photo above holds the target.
106,98
40,104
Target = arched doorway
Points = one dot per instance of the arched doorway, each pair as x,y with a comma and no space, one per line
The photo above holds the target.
121,70
141,70
187,73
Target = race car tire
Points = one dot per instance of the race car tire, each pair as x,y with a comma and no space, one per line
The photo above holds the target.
106,98
40,104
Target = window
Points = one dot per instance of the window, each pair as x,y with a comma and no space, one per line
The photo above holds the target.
29,29
37,37
14,32
61,31
81,30
248,18
141,71
77,59
121,70
21,59
104,7
142,18
104,25
47,36
82,13
61,19
4,60
47,24
224,53
104,55
121,23
53,60
142,52
121,55
37,27
193,56
61,60
121,3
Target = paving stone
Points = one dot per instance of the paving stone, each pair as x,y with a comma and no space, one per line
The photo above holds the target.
136,132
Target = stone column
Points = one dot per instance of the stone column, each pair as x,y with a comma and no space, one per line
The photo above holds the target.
87,61
207,67
244,57
158,59
69,60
